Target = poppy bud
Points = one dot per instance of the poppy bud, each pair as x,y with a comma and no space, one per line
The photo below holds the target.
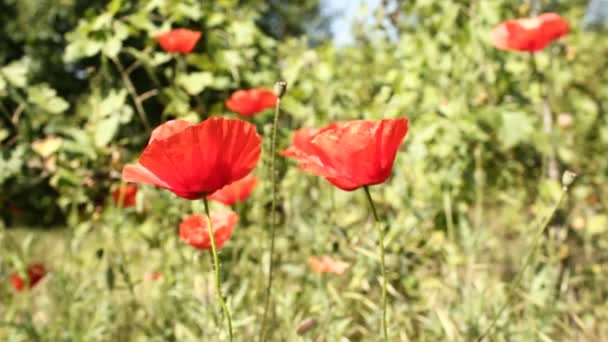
280,88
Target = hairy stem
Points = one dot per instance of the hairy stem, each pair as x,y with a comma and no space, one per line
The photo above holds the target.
273,207
216,265
547,116
380,231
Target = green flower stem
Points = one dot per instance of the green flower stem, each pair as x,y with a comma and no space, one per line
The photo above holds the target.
526,263
273,207
547,116
380,231
216,265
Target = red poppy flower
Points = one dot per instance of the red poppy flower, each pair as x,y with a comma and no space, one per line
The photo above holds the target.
35,272
179,40
349,154
128,193
154,276
235,192
194,160
252,101
193,229
529,34
326,264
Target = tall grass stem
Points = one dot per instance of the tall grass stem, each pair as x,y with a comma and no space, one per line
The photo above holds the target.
280,88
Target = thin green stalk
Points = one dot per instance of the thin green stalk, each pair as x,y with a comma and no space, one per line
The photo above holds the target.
380,231
121,250
527,259
547,117
216,265
479,186
447,209
281,88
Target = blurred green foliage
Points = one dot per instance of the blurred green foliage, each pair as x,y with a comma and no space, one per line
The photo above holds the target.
81,83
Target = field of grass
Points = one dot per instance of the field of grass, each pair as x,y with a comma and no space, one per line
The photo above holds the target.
486,108
100,284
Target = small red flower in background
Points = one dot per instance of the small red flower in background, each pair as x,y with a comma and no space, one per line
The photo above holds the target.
35,272
529,34
235,192
326,264
179,40
193,229
349,154
565,120
252,101
194,160
128,193
153,276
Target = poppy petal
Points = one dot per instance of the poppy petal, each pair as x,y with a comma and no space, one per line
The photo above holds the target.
168,129
193,160
236,191
179,40
138,174
193,229
529,34
252,101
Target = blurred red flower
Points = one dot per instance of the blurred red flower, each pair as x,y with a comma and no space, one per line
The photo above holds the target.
193,229
349,154
128,193
326,264
565,120
235,192
194,160
179,40
252,101
35,272
529,34
154,276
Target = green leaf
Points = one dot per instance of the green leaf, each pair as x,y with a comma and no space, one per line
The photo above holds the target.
16,73
112,46
597,224
516,127
216,19
4,133
112,103
46,147
105,130
2,86
244,33
195,82
85,47
114,6
77,141
11,166
45,98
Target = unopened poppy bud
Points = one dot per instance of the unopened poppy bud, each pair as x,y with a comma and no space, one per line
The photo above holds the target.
280,87
568,178
306,325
